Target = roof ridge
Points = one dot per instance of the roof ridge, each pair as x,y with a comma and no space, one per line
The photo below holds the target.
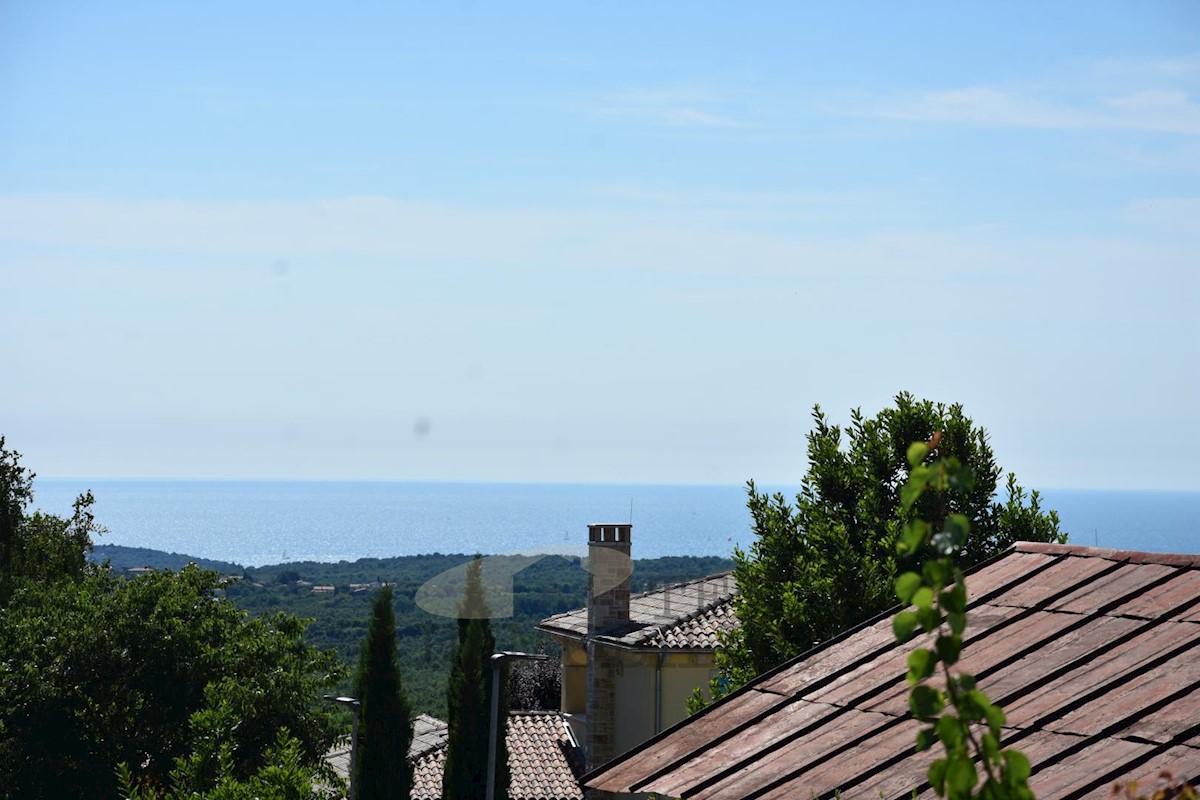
430,716
1111,554
681,584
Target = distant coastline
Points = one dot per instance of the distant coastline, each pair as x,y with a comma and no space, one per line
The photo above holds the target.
126,558
255,523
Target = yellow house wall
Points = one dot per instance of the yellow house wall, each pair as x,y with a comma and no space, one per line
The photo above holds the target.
680,676
635,700
574,679
635,689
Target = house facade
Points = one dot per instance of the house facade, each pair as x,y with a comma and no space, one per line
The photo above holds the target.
630,662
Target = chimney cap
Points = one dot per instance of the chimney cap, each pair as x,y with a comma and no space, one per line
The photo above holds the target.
609,532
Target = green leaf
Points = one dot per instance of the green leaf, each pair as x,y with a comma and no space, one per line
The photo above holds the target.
959,527
954,599
960,776
993,791
968,705
936,573
925,738
925,702
937,776
993,714
916,453
981,703
952,733
903,625
958,623
1016,765
929,618
920,665
948,648
913,537
935,476
990,745
922,597
915,486
907,585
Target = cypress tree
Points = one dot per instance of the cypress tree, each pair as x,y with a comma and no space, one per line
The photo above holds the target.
383,771
469,701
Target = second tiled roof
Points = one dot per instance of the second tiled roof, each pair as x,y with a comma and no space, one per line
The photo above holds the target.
685,616
544,760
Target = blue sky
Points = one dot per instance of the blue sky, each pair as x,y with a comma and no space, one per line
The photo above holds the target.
618,242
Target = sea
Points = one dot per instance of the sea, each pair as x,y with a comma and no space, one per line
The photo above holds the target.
254,523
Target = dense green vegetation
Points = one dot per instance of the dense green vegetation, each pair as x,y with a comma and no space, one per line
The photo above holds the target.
144,685
425,642
101,671
827,562
37,548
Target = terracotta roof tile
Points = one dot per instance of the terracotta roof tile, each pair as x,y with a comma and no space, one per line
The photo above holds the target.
429,733
685,616
1093,654
427,775
544,760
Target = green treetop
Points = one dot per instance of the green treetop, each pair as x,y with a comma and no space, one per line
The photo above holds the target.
104,671
38,547
97,671
828,561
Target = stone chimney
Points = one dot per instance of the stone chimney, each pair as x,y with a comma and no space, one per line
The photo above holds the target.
609,566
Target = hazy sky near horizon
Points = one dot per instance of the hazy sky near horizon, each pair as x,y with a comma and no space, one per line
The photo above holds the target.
629,242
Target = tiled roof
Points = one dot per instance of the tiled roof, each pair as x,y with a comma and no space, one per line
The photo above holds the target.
685,616
429,733
427,775
543,757
544,760
1093,654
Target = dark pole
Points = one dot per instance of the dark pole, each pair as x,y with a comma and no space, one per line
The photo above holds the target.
354,705
498,660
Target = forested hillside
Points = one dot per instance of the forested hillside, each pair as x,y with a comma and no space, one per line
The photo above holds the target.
540,587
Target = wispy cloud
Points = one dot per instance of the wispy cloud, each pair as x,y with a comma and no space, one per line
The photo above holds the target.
1185,158
1157,96
1154,110
1179,68
666,240
676,108
762,201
